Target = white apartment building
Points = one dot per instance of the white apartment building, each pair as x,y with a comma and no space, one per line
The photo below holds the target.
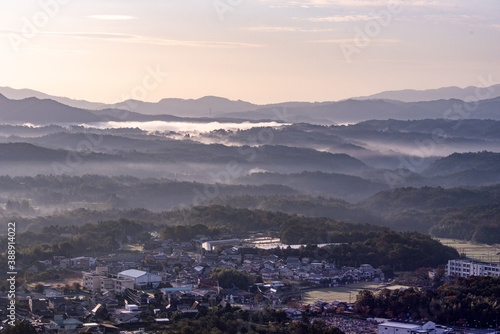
467,268
99,283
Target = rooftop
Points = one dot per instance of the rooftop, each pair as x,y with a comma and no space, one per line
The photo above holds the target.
133,273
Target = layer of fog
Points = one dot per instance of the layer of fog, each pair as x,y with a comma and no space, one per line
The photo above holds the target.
186,127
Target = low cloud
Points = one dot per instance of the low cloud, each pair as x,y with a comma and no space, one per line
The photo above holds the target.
343,18
112,17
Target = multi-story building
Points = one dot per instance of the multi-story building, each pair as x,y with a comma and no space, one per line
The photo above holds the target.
101,283
92,281
467,268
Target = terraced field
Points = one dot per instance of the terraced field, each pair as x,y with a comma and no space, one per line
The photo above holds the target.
478,252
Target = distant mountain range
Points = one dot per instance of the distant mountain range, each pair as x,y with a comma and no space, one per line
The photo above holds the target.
36,111
47,111
446,93
401,105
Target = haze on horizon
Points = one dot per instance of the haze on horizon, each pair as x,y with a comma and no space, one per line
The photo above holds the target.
261,51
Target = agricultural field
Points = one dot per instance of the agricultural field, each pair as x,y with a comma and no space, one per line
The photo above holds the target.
478,252
132,248
345,293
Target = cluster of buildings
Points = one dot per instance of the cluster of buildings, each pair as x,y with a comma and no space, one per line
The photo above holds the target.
100,281
176,276
177,264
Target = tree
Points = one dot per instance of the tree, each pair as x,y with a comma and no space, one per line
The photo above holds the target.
20,327
228,278
365,302
39,288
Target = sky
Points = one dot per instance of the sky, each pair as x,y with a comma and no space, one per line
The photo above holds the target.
261,51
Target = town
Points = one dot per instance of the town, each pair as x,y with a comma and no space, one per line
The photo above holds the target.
164,281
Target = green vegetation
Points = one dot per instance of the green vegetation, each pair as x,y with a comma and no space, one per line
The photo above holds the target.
180,233
229,278
107,193
234,320
304,206
294,229
459,162
361,243
467,300
459,213
89,239
348,187
389,250
20,327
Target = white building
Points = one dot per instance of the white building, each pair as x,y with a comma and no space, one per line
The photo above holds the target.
410,327
213,245
407,326
91,281
141,278
100,283
467,268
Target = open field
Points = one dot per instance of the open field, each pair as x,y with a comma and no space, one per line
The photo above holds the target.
132,248
479,252
343,293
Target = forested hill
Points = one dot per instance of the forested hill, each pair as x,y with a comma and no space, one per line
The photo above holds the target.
428,198
461,213
459,162
359,243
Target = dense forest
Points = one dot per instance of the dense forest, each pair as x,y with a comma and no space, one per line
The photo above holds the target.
459,213
390,250
355,243
472,301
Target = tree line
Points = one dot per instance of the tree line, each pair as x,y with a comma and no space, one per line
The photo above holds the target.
472,301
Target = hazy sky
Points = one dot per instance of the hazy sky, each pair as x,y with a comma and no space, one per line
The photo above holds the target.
256,50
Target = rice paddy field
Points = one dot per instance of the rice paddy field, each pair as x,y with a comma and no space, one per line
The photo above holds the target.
132,248
478,252
346,292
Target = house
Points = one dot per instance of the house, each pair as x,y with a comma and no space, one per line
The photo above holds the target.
108,299
99,328
57,304
293,262
141,278
38,305
174,290
125,318
82,262
65,326
205,283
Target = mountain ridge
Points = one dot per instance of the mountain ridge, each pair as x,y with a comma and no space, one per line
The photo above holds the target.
208,106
